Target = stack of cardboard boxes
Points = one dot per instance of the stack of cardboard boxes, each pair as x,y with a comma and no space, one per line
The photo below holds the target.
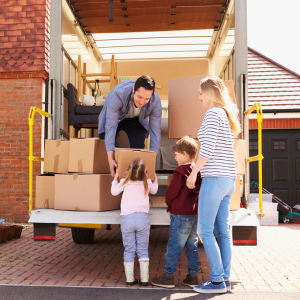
78,177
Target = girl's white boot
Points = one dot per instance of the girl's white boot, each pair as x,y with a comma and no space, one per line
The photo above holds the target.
144,269
129,273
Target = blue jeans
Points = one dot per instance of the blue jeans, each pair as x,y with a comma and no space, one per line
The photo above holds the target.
135,230
213,216
183,232
135,131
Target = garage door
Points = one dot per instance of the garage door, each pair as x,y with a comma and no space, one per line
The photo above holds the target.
281,163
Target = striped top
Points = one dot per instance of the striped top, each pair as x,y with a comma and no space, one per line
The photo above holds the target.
216,139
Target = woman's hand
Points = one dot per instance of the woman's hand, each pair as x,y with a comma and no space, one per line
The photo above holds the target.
190,182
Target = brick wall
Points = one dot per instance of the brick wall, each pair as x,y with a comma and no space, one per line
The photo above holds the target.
24,66
276,124
17,96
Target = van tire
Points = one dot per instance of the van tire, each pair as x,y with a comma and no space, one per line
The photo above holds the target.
83,235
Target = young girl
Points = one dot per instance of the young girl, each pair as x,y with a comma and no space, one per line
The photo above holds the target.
216,162
135,224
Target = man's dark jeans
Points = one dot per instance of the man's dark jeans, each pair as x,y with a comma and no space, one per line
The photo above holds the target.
135,131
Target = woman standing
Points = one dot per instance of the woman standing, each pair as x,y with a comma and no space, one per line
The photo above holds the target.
216,162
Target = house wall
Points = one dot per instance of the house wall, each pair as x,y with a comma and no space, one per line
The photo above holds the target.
24,66
276,124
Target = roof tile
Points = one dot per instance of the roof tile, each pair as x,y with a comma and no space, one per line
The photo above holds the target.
24,31
276,87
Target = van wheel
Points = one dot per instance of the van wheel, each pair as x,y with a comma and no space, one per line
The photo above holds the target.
83,235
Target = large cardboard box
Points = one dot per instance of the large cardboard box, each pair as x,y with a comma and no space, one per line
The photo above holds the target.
124,156
85,192
236,197
44,191
185,112
239,149
88,156
157,201
56,158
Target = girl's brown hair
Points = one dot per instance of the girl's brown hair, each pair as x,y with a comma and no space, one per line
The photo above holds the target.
137,171
214,88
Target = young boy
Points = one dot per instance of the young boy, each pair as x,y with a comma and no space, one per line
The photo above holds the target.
183,207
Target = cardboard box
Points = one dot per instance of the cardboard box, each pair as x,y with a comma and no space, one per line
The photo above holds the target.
156,201
85,192
124,156
56,158
236,197
88,156
239,149
44,191
185,112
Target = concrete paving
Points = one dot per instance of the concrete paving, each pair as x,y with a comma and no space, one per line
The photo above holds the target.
274,265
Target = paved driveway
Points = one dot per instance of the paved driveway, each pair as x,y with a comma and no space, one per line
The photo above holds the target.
274,265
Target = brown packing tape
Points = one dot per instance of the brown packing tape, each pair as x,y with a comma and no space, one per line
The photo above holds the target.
75,176
56,163
46,204
80,166
58,143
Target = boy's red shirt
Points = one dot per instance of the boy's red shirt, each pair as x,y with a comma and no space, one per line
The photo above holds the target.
180,199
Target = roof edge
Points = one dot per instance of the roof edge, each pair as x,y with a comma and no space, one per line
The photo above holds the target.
274,62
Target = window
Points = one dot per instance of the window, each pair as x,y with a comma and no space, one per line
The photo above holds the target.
253,145
279,145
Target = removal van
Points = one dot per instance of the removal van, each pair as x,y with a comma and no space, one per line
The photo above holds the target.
177,45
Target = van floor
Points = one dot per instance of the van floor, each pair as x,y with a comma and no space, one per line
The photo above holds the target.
273,265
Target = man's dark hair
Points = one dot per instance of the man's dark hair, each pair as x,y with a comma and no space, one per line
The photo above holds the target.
146,82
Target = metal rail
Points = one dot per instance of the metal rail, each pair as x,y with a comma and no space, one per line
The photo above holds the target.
258,157
32,158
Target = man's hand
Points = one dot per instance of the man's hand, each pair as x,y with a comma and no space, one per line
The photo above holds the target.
117,174
112,163
155,178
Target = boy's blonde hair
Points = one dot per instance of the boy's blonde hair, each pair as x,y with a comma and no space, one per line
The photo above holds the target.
137,171
215,89
188,145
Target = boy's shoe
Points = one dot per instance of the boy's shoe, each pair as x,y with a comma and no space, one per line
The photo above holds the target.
190,281
209,288
228,285
164,281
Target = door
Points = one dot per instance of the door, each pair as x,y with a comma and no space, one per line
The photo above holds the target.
281,163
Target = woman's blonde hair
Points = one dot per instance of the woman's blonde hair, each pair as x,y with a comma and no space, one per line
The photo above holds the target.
215,89
137,171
